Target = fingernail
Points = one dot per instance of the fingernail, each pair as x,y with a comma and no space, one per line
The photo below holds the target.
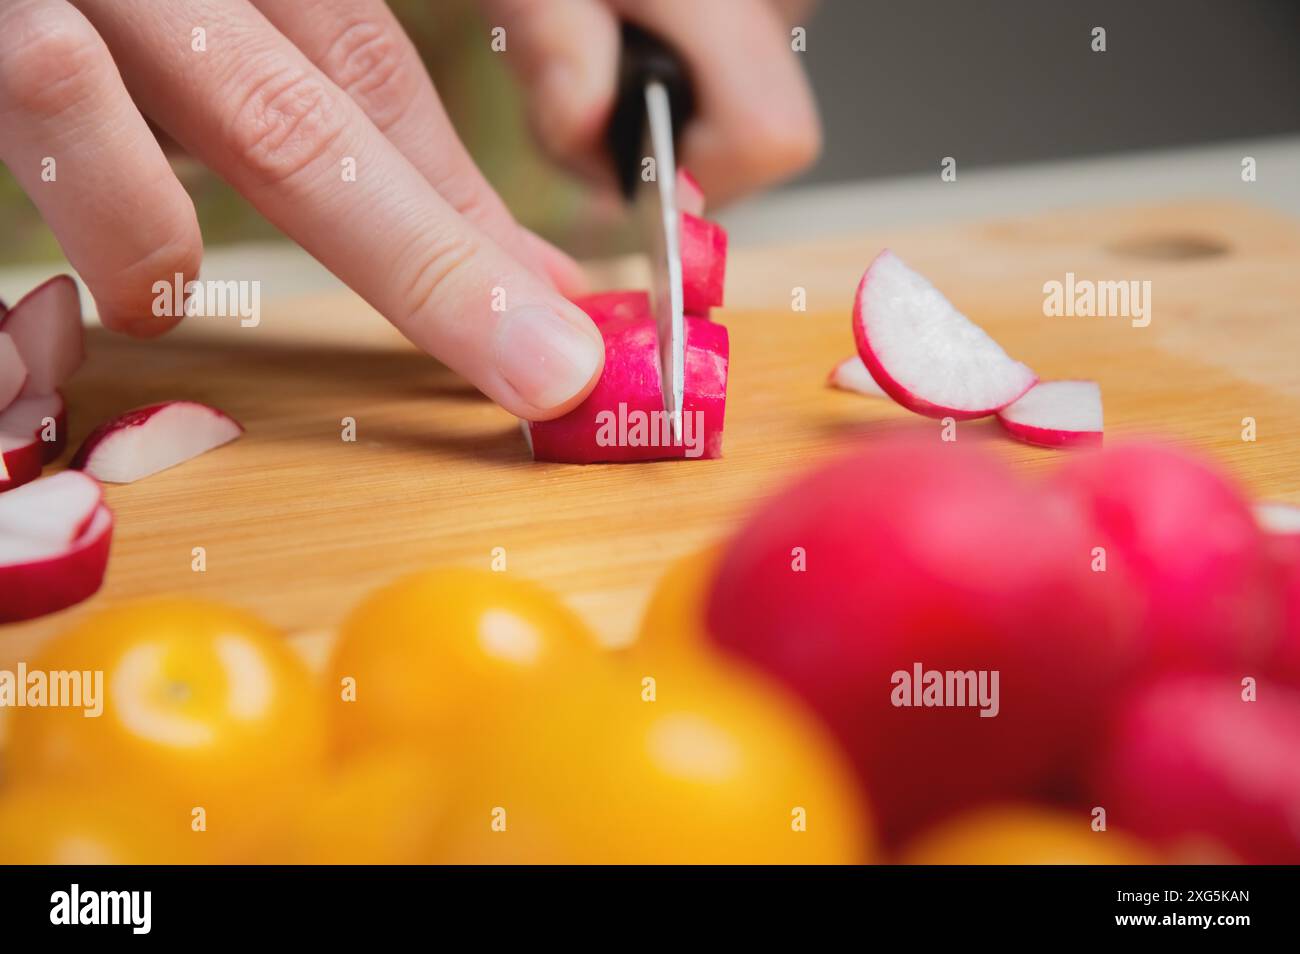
544,356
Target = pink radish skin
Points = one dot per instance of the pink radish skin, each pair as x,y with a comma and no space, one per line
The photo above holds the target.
631,377
56,510
13,373
1188,537
150,439
23,448
924,353
1281,525
930,553
852,375
690,197
46,327
1056,414
1194,767
36,580
704,263
615,304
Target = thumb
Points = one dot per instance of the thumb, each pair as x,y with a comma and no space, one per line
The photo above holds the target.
565,53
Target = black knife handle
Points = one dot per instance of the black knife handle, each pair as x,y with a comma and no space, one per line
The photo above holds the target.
644,58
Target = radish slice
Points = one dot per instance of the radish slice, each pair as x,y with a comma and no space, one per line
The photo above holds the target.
151,439
927,355
20,460
46,328
39,577
54,510
704,263
13,373
690,197
615,304
1056,414
1279,519
852,375
44,417
622,420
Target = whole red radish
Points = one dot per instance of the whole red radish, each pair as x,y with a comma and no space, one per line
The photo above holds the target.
1186,535
1195,767
932,555
1281,525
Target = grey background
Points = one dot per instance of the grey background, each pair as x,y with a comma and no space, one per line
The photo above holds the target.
903,83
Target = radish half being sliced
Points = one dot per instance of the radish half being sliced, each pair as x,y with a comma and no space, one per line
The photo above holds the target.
924,353
42,576
1056,414
46,327
690,197
150,439
704,264
852,375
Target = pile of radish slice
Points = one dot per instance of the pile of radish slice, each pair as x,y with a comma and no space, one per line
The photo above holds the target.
55,532
916,348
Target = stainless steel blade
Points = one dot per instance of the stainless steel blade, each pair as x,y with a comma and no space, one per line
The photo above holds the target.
661,219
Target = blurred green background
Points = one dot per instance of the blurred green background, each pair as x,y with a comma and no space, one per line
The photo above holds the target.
483,100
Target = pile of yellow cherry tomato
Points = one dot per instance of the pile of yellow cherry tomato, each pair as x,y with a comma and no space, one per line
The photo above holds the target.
463,716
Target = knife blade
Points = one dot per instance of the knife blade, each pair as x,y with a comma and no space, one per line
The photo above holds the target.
653,103
658,201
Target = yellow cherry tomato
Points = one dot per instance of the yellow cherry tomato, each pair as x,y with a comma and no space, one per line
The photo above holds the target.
206,713
383,808
1024,835
53,825
438,653
682,765
674,617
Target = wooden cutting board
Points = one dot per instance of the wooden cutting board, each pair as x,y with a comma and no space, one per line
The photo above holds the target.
298,524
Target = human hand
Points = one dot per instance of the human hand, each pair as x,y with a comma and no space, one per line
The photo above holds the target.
280,98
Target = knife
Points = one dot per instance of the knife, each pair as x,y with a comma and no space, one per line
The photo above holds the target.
653,103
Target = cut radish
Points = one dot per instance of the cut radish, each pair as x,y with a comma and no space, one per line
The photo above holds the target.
704,263
13,373
927,355
690,197
1056,414
150,439
46,327
623,418
20,460
615,304
852,375
44,417
39,577
54,510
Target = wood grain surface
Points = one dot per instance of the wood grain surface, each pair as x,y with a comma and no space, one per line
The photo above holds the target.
298,524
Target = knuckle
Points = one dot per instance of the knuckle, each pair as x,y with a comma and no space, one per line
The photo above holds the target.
286,121
436,267
51,58
370,62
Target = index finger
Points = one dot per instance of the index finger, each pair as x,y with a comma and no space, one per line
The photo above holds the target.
238,95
